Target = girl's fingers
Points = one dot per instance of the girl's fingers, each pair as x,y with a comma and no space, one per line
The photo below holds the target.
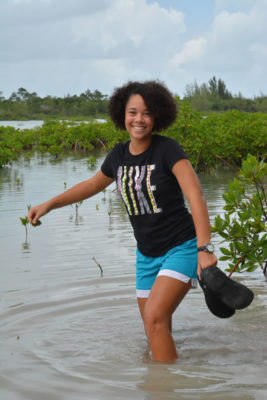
205,260
35,220
32,216
29,216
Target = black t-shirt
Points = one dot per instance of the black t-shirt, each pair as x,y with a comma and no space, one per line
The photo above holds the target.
151,194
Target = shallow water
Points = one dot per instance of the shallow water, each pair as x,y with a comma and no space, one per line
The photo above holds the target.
67,333
31,124
22,124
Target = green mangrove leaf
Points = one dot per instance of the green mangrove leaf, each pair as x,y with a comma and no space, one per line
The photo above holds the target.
38,223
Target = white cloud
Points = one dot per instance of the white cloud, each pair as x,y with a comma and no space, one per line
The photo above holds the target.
125,37
234,50
67,46
236,40
192,51
65,31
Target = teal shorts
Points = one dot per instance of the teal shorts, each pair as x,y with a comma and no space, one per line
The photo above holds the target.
179,263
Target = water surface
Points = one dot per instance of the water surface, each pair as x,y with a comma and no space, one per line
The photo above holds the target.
68,333
31,124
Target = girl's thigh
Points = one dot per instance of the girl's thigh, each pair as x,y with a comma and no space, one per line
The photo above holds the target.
164,297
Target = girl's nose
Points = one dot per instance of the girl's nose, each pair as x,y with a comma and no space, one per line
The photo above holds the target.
139,117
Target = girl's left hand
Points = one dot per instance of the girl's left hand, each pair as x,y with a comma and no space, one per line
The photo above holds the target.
205,260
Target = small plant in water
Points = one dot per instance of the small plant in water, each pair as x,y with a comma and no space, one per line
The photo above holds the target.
76,206
25,222
91,162
104,192
109,214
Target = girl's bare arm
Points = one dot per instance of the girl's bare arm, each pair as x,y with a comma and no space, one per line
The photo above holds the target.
191,188
79,192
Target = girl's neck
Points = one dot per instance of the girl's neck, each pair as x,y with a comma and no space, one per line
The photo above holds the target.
138,146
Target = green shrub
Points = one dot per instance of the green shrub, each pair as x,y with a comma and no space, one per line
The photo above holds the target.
243,226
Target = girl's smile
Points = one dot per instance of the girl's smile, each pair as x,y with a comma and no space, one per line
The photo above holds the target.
138,120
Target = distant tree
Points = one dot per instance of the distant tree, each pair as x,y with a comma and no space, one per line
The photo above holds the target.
87,95
98,96
223,93
214,96
213,86
198,96
218,88
211,96
23,94
13,97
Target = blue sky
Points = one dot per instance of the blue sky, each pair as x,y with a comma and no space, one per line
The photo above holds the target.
60,47
198,14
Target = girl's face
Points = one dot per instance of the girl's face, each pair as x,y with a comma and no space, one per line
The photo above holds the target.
138,120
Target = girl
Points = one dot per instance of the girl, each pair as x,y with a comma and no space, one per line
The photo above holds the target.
152,174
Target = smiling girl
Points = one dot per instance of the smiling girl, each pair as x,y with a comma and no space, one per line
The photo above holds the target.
153,174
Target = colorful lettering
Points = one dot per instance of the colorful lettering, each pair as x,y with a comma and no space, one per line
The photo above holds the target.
134,187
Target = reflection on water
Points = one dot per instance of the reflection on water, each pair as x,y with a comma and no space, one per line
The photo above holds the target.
67,333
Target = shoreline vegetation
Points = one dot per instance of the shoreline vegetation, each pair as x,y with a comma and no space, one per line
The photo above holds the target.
214,127
207,98
211,141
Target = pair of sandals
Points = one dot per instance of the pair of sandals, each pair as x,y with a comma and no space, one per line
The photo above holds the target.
223,296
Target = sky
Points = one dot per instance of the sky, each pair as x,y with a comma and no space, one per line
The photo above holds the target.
65,47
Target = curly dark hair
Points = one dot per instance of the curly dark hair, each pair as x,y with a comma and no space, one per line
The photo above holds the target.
158,99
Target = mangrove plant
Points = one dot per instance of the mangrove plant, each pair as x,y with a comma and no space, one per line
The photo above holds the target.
243,226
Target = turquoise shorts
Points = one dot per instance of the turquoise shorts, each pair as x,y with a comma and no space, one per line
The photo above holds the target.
179,263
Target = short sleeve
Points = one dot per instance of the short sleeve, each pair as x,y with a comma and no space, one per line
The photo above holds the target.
173,152
108,163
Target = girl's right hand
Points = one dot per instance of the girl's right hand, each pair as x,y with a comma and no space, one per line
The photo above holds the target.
37,212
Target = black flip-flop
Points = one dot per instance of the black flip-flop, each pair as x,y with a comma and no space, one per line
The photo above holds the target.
215,305
233,294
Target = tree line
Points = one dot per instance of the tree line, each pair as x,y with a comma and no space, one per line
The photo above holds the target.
208,97
214,96
25,105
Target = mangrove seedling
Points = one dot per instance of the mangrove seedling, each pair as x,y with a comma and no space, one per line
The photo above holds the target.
104,191
243,226
109,214
76,207
91,162
25,222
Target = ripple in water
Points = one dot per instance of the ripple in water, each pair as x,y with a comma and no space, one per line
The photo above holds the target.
66,333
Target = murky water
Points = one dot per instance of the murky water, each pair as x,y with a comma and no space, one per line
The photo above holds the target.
67,333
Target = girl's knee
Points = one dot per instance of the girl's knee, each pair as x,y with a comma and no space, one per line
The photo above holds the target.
155,320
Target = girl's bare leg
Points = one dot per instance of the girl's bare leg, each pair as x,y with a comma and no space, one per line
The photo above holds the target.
141,304
156,311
